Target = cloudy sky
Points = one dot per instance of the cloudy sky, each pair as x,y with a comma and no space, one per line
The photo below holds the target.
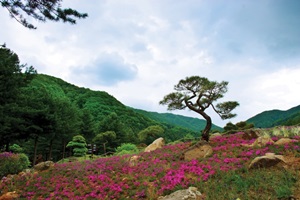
137,50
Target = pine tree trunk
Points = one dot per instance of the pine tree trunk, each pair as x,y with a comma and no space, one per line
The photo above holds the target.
64,149
50,150
205,132
7,147
35,150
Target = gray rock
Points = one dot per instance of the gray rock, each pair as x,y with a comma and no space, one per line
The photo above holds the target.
43,166
189,194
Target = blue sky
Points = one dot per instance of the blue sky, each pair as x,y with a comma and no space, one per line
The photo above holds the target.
138,50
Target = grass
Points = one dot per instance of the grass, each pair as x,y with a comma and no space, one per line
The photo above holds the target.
224,175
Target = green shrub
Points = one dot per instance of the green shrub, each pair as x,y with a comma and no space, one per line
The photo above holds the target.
127,148
79,146
12,163
16,148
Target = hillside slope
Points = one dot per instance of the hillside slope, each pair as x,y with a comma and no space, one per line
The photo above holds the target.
100,104
272,118
194,124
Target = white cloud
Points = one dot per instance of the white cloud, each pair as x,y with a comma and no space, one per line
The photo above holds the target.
138,50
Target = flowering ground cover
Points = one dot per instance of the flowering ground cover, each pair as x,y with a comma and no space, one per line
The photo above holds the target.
161,172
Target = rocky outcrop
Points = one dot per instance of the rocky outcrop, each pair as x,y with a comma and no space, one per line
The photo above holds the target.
198,151
249,135
158,143
189,194
266,161
10,196
260,142
283,141
44,166
134,160
215,135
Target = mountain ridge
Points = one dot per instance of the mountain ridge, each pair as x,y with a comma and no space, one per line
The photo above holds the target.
276,117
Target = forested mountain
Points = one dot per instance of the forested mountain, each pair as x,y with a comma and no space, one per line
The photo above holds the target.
53,111
272,118
194,124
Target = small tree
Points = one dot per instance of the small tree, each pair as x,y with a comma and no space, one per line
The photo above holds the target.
198,94
240,126
150,133
79,146
104,138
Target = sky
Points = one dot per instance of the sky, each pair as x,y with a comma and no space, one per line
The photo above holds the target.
137,50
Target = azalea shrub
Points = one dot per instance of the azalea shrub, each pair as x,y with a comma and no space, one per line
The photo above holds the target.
11,163
157,173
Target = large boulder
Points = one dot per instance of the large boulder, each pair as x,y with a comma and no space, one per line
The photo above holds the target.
266,161
260,142
43,166
249,135
283,141
198,151
10,196
215,135
156,144
189,194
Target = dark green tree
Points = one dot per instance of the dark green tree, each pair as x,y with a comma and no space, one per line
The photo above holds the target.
38,116
149,134
78,145
88,126
112,122
198,94
105,139
12,80
66,124
240,126
41,10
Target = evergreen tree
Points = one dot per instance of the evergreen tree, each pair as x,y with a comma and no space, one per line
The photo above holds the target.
42,10
198,94
12,80
78,145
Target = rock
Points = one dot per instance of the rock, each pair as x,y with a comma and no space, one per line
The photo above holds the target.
249,135
215,135
198,151
283,141
133,160
44,166
268,160
156,144
260,142
9,196
188,194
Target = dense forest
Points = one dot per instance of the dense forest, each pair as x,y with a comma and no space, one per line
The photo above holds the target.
52,111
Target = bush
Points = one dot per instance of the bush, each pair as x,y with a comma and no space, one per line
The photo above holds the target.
12,163
16,148
79,146
127,148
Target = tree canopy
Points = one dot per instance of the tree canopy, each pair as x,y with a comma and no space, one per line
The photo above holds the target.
12,106
198,94
41,10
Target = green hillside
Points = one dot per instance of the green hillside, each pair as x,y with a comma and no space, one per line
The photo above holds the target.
272,118
194,124
291,120
101,104
53,111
